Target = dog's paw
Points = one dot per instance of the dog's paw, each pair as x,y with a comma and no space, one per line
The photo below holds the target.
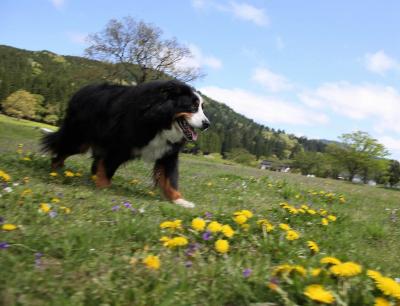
184,203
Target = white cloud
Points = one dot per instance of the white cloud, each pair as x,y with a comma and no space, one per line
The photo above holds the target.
242,10
392,144
249,13
77,38
379,62
58,4
270,80
264,109
377,105
199,59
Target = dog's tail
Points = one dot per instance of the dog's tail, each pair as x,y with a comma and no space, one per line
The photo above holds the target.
50,142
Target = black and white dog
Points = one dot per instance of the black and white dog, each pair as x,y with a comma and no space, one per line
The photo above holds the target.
118,123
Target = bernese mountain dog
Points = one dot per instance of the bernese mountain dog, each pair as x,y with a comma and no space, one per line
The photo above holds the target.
118,123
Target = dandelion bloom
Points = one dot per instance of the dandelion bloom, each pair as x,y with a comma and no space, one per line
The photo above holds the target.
311,211
315,272
152,262
319,294
227,231
4,176
299,270
380,301
284,226
55,200
214,227
324,221
198,224
66,209
282,269
313,246
44,207
292,235
246,213
222,246
8,227
330,260
69,173
174,225
174,242
346,269
240,219
53,174
385,284
332,218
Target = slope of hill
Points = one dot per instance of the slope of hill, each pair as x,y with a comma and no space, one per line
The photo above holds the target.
57,77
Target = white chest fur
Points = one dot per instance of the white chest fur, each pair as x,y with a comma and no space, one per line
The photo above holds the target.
159,145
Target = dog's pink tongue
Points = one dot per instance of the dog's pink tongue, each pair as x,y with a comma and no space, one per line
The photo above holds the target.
194,135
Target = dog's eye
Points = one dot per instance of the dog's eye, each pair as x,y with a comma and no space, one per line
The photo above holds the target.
194,108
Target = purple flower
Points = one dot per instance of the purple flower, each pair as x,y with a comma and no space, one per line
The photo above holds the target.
127,205
115,208
52,214
4,245
191,250
247,272
206,235
208,215
38,262
188,264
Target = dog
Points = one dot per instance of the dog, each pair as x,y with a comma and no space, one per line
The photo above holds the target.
118,123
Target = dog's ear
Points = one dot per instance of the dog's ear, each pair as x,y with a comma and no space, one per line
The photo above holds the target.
174,89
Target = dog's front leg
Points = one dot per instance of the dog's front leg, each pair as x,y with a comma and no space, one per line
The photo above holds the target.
166,177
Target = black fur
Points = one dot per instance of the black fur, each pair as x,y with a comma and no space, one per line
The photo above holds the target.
113,120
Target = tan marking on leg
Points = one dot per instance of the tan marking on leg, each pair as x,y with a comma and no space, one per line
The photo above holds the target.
169,192
102,180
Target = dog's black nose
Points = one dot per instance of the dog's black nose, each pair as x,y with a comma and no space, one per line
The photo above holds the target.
206,125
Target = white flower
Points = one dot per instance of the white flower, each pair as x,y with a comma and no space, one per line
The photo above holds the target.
8,189
141,210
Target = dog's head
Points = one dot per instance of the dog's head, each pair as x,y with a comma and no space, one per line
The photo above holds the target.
188,110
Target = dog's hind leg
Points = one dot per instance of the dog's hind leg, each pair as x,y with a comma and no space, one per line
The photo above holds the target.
105,167
165,176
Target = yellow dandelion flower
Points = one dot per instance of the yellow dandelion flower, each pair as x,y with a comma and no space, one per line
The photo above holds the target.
304,206
209,184
265,225
373,274
174,242
380,301
247,213
293,210
78,174
245,227
323,212
26,192
292,235
315,272
346,269
332,218
69,173
299,270
26,158
4,176
222,246
94,178
152,262
55,200
324,221
284,226
388,286
240,219
282,269
151,193
227,231
174,225
198,224
66,209
44,207
135,181
9,227
313,246
273,286
319,294
214,227
311,211
330,260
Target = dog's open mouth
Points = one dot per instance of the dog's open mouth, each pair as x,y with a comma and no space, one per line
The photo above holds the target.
187,130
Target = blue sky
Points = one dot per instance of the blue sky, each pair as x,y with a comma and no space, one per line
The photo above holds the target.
314,68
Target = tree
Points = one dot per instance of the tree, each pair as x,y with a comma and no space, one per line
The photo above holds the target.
140,51
359,153
394,172
22,104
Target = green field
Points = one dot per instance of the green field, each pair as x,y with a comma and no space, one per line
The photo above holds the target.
75,245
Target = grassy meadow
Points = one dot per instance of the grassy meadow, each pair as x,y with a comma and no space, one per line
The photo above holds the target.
255,237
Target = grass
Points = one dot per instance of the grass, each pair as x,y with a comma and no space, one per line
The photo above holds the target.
89,248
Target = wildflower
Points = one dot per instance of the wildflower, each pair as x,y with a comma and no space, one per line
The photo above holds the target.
4,245
332,218
152,262
8,227
206,236
53,214
69,173
282,269
133,261
324,221
66,209
209,184
55,200
214,227
247,272
38,261
311,211
78,174
26,158
313,246
188,264
245,227
8,189
174,242
4,176
385,284
299,270
380,301
240,219
284,226
319,294
94,178
265,225
273,284
227,231
330,260
292,235
174,225
222,246
115,208
246,213
198,224
323,212
44,207
151,193
134,181
127,205
26,192
315,272
208,215
346,269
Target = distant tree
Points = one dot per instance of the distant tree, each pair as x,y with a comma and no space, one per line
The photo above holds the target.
394,172
242,156
22,104
128,43
358,153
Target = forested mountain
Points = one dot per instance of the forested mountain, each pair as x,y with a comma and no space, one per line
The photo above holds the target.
57,77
